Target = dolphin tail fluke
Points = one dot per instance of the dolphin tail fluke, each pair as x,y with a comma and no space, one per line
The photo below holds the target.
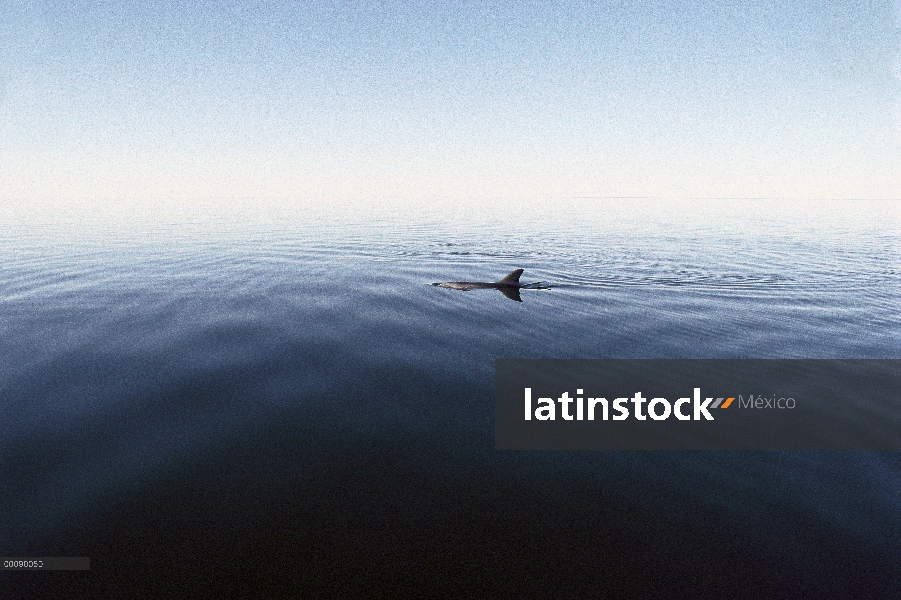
512,278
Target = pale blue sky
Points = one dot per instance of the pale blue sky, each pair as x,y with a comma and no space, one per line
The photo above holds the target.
110,101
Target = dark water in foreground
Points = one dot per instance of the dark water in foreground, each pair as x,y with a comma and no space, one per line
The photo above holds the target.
286,406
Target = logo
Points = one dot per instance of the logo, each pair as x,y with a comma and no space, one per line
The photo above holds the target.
658,409
687,404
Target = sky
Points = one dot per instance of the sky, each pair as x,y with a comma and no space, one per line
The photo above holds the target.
113,102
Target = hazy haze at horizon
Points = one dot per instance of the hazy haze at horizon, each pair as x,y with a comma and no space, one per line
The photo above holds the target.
338,101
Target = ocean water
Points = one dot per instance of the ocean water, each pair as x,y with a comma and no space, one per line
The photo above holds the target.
284,405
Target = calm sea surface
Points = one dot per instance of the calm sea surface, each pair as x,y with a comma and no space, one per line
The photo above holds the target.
286,404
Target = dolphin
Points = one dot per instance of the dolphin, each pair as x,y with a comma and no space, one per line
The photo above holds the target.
508,285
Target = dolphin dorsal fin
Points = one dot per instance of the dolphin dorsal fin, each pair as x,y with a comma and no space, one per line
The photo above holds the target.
511,277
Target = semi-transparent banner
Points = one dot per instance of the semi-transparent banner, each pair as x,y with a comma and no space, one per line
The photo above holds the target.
733,404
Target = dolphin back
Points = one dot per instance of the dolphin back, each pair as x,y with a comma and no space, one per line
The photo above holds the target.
511,278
